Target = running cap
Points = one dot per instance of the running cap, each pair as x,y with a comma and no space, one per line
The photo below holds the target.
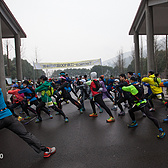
62,73
116,80
15,85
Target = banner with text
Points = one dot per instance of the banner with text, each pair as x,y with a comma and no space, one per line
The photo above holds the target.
67,64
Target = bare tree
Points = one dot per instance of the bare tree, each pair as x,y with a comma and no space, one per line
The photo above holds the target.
120,61
22,50
7,54
157,47
141,56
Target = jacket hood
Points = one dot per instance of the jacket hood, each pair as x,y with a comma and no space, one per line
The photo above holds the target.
46,83
93,75
152,76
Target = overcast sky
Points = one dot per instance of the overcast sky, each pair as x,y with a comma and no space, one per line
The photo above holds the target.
74,30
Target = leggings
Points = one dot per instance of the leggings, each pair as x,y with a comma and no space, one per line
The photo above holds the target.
99,100
15,126
159,97
108,95
28,107
54,107
41,106
16,105
68,97
145,110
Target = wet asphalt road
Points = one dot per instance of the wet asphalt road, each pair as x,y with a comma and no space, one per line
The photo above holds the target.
87,142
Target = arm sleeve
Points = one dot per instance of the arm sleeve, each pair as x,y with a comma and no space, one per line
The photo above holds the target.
126,88
39,89
11,91
146,80
74,92
22,91
88,82
62,86
165,84
130,89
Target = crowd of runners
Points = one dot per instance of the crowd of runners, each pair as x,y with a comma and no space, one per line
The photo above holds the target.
48,95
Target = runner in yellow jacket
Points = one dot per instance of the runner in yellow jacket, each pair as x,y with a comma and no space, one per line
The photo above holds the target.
155,88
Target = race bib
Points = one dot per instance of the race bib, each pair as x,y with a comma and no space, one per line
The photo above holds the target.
159,96
49,104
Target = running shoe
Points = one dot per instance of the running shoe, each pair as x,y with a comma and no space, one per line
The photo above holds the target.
132,125
152,110
101,110
51,117
57,113
20,118
66,119
38,120
93,115
161,134
110,119
50,152
114,108
81,111
27,117
122,113
55,103
144,115
166,119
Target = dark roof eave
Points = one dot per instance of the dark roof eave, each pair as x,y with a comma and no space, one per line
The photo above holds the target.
22,33
138,15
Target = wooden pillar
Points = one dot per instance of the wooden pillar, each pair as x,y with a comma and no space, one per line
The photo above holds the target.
18,57
137,60
2,67
150,38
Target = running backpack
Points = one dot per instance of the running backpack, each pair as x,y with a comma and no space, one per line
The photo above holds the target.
50,91
98,85
140,95
33,94
156,80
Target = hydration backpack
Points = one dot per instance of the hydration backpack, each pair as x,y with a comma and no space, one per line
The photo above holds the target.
140,95
50,91
98,85
33,94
